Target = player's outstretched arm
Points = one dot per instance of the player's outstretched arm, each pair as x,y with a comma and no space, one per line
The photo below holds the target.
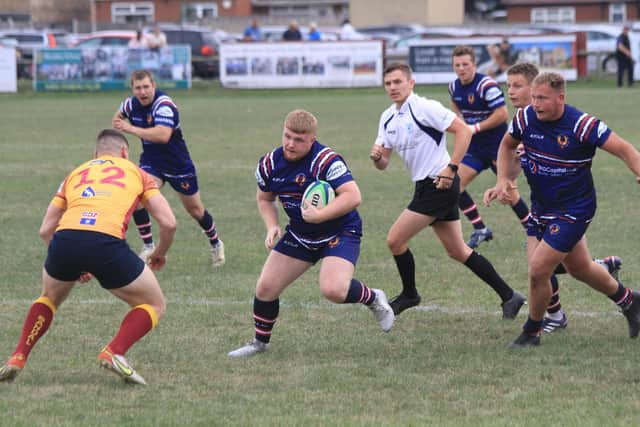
50,222
625,151
160,210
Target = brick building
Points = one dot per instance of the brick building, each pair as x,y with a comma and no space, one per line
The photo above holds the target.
575,11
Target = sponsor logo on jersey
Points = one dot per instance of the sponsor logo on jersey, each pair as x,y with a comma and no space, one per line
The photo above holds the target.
391,131
563,141
554,228
336,170
533,167
493,93
101,162
470,98
301,179
88,192
88,218
164,111
602,128
536,136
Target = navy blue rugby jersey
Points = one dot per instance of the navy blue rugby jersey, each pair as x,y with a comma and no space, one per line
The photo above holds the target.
557,159
170,157
477,101
288,180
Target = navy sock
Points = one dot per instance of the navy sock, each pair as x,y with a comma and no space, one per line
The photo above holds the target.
265,314
484,270
143,222
554,303
622,297
209,227
359,293
469,208
407,269
532,327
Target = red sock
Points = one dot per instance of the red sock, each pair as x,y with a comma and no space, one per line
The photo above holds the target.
140,320
36,323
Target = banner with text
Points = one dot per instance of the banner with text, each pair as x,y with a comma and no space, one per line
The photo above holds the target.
431,59
108,67
301,64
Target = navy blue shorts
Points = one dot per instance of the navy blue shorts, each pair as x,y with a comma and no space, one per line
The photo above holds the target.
108,258
184,181
480,160
345,245
562,234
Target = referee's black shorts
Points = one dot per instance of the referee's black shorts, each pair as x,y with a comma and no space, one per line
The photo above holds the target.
109,259
440,204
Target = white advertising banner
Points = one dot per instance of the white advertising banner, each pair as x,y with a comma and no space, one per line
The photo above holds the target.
301,64
431,60
8,72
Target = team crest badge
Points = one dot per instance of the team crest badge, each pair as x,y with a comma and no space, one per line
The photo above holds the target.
301,179
149,119
563,141
185,185
334,242
470,98
554,228
533,167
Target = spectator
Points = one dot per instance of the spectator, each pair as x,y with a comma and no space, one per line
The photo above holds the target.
347,32
292,32
139,42
314,34
157,39
252,33
501,56
623,56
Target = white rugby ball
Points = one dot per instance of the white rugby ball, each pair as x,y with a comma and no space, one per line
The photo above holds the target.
318,194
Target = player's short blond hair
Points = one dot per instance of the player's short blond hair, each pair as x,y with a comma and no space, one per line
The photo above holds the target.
301,121
137,75
462,50
525,69
554,80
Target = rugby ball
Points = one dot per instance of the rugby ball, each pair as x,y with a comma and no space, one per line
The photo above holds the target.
318,194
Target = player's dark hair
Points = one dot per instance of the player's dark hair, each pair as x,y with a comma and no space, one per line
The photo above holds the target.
394,66
526,69
462,50
140,75
554,80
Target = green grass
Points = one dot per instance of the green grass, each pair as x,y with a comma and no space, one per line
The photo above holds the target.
443,365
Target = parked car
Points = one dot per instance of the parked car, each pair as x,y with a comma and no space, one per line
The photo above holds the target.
27,41
106,38
399,49
204,47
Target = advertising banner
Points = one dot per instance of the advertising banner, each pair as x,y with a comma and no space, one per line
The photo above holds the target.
432,63
108,67
301,64
8,72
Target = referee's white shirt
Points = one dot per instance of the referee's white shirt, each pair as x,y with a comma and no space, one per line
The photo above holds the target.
417,132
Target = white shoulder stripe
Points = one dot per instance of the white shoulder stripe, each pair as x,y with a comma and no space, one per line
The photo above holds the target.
318,156
575,128
585,127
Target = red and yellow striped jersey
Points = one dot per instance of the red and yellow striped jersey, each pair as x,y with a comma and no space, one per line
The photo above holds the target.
101,195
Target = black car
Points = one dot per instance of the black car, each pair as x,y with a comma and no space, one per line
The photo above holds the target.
204,48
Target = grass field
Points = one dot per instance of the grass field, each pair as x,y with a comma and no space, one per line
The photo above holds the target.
444,364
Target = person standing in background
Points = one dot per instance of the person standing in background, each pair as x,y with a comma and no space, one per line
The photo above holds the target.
623,57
